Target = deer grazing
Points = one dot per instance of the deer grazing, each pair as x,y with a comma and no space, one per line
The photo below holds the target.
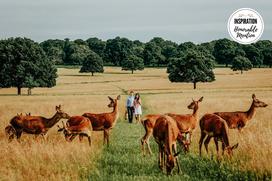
187,122
105,121
166,134
237,120
148,123
83,127
37,125
214,126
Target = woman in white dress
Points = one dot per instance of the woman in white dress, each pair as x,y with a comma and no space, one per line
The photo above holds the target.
137,107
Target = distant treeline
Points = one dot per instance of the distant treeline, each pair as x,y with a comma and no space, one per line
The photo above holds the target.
157,52
28,64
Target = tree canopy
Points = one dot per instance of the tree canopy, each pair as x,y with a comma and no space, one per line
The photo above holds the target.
92,63
193,67
241,63
24,64
133,63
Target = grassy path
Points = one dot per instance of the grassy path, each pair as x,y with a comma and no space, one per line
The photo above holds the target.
123,161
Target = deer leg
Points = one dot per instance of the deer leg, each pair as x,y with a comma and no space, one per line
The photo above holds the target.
80,137
106,136
89,140
160,158
18,134
176,157
216,145
203,135
223,148
206,143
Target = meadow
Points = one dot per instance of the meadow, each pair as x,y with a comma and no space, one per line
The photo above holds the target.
55,159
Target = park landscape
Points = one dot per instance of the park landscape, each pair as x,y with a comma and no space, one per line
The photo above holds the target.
55,159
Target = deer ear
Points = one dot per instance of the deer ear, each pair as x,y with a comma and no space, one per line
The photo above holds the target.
253,96
200,100
118,97
234,146
111,99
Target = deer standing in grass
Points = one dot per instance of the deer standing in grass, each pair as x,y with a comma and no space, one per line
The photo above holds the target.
148,123
82,128
105,121
238,119
213,126
166,134
187,122
37,125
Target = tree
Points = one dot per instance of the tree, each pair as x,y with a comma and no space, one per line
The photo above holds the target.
133,63
265,47
254,55
54,50
92,63
75,52
191,67
117,50
23,63
224,51
241,63
267,54
97,46
153,54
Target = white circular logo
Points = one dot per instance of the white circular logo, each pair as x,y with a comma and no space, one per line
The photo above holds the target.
245,26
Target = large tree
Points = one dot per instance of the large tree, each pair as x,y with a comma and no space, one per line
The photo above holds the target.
254,55
24,64
153,54
75,52
193,67
224,51
92,63
133,63
54,50
241,64
265,47
97,45
117,50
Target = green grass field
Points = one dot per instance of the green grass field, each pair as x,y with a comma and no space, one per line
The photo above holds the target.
56,159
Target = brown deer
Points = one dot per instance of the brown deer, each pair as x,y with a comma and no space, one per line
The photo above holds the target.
237,120
166,133
83,128
214,126
187,122
104,121
37,125
148,123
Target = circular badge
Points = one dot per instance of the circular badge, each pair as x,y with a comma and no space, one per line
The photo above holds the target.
245,26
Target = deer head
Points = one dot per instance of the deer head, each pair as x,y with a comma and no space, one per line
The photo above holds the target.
113,102
194,104
257,102
230,148
65,131
171,162
61,113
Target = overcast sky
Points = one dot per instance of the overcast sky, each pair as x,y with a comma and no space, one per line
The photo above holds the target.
176,20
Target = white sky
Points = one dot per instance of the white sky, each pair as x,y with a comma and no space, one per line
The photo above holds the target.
176,20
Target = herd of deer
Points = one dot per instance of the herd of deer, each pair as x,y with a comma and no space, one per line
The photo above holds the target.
167,129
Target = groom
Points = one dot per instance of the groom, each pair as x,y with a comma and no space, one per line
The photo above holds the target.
130,106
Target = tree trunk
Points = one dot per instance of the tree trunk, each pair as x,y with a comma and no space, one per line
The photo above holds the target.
227,64
241,71
132,71
19,90
270,66
92,73
194,85
29,91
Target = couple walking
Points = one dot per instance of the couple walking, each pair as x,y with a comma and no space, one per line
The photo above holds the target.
134,107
